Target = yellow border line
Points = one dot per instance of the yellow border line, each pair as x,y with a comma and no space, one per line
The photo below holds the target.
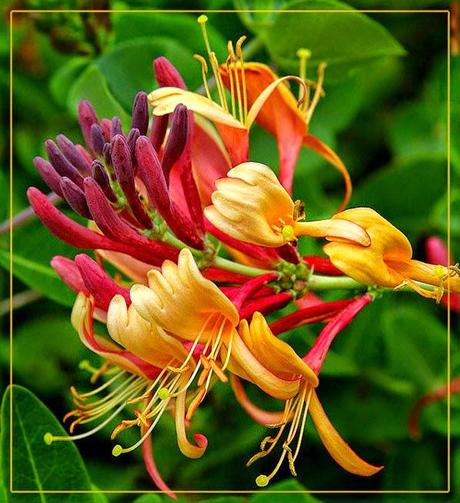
217,491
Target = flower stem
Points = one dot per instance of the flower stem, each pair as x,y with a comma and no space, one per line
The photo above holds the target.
228,265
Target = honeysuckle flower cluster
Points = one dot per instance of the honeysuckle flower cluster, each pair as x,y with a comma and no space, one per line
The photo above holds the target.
162,198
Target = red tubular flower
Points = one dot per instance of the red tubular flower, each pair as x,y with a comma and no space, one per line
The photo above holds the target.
322,265
69,272
241,294
266,305
437,253
81,237
311,314
315,357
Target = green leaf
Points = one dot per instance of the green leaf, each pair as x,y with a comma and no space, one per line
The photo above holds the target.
148,498
183,28
288,486
416,346
43,346
62,80
127,68
405,192
328,37
39,277
37,466
92,86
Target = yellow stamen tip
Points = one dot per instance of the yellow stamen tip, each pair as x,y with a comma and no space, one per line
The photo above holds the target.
262,481
288,232
117,450
84,365
202,19
303,53
48,438
163,393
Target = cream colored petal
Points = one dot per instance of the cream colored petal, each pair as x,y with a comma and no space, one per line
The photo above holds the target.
165,99
143,339
181,300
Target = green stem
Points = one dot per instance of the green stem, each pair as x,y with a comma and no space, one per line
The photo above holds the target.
321,283
228,265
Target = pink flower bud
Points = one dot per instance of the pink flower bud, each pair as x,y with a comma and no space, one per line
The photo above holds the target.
166,74
68,271
86,118
177,139
99,284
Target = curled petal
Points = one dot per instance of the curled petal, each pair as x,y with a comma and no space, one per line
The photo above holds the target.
340,451
333,230
245,364
185,446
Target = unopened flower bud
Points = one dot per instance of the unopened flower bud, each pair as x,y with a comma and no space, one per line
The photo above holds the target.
166,74
49,175
75,197
140,116
97,137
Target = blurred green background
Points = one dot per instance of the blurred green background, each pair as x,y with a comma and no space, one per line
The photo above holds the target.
385,114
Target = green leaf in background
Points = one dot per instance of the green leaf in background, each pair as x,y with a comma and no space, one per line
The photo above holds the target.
37,466
285,485
65,77
127,68
42,347
183,28
33,248
405,192
92,85
342,53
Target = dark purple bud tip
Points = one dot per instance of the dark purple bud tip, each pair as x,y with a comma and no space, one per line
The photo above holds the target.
49,175
121,161
107,154
131,139
97,137
72,153
177,139
102,178
75,197
116,127
166,74
61,164
140,118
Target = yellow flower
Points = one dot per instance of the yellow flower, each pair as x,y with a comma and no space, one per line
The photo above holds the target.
278,358
388,260
251,205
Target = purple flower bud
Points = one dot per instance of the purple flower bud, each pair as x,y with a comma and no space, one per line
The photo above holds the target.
97,138
140,118
73,154
75,197
131,140
159,127
86,118
115,127
166,74
107,153
100,175
49,175
177,139
151,173
61,164
124,171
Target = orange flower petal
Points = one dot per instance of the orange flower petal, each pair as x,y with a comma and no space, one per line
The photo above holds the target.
340,451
